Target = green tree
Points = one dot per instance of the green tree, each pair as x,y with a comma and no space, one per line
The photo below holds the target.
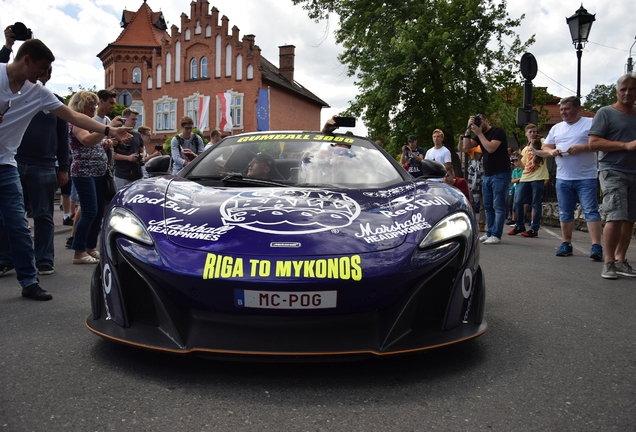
424,64
601,95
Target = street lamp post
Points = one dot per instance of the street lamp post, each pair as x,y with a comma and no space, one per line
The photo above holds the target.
580,25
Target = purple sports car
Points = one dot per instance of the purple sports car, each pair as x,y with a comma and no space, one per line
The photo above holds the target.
290,244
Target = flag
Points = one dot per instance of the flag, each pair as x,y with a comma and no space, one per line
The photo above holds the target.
204,109
225,99
262,110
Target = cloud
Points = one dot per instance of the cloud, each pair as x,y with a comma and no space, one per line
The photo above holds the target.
77,30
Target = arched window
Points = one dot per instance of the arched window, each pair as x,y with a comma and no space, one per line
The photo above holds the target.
250,72
168,66
177,61
193,68
124,76
187,34
197,29
239,67
208,31
136,76
159,70
217,59
149,83
204,67
228,60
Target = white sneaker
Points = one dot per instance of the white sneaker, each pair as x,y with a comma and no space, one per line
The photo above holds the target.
484,238
492,240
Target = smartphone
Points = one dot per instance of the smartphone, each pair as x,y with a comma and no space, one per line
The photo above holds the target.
6,107
159,148
345,121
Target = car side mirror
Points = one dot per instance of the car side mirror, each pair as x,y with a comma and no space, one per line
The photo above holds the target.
432,169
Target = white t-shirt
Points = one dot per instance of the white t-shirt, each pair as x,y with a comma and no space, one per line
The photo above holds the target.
581,166
25,104
441,155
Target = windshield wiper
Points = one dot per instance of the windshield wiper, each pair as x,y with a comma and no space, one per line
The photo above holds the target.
239,178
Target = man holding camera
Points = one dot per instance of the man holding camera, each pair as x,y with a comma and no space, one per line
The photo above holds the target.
128,157
496,162
414,155
18,88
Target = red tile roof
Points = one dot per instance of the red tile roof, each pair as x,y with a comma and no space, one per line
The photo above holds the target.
140,30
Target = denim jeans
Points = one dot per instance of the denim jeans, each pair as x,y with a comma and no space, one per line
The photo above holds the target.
587,192
495,191
18,235
91,197
529,193
41,184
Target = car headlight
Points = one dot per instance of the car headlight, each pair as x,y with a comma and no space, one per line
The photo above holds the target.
455,225
123,221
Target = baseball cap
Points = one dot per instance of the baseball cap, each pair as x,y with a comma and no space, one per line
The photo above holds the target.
268,159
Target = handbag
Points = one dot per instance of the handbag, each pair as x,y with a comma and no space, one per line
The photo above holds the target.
110,188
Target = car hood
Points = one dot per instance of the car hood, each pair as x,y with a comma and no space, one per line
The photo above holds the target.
288,221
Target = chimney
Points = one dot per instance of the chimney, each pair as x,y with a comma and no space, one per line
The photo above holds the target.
286,54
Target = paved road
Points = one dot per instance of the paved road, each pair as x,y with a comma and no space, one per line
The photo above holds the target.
559,356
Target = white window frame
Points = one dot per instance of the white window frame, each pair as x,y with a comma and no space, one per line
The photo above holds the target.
177,61
239,67
187,34
193,68
250,72
236,110
165,114
228,60
136,75
191,107
217,57
208,31
204,67
168,66
149,82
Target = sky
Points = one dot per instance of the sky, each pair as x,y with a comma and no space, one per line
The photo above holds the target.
77,30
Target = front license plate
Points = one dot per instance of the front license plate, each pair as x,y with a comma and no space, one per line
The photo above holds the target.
285,299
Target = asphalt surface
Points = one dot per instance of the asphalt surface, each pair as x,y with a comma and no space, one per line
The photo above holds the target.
559,355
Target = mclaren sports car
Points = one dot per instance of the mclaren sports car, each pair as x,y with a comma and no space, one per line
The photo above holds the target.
290,244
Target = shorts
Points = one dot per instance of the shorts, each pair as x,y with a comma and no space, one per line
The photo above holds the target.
587,192
619,195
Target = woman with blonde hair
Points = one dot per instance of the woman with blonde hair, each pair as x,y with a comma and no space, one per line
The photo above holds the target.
88,168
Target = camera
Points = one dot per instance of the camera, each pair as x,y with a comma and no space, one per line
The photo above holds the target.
21,32
477,121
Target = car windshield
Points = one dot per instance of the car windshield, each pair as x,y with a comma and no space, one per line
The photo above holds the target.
306,159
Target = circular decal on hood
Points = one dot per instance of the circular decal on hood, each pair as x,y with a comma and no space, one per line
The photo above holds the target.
290,211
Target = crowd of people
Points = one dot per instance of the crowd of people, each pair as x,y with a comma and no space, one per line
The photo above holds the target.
76,148
504,186
108,154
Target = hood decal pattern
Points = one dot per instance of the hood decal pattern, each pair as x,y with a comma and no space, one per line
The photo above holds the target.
290,211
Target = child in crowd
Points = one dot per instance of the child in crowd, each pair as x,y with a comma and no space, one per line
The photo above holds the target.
514,181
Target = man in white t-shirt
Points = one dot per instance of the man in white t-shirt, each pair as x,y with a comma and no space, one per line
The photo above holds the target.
21,98
439,153
576,174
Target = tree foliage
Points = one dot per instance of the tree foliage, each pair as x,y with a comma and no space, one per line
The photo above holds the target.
601,95
426,64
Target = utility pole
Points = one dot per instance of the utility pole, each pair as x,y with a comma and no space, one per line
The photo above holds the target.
630,64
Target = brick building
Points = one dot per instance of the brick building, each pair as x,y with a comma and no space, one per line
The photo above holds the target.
168,75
